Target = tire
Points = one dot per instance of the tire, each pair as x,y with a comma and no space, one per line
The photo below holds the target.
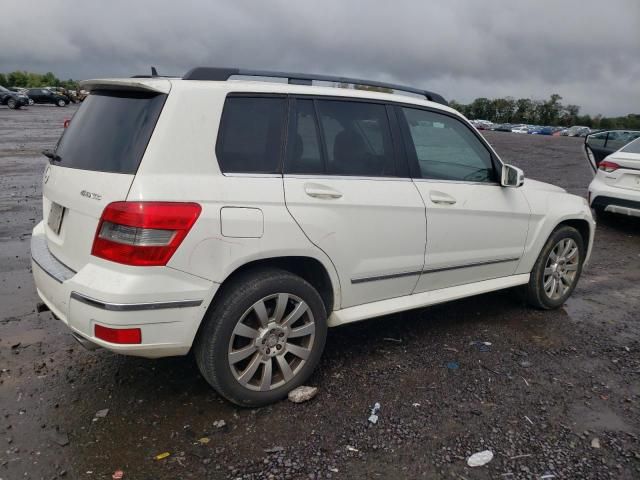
249,361
12,104
61,103
553,281
31,102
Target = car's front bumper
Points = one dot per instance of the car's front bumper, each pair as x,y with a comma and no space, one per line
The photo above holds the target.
166,304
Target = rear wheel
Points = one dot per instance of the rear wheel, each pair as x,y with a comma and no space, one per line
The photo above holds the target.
557,269
263,337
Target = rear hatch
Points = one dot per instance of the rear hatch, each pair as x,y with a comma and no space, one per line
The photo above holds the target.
95,162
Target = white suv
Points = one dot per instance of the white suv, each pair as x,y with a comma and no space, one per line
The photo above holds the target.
240,219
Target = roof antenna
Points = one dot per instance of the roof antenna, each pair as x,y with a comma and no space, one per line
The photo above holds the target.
154,72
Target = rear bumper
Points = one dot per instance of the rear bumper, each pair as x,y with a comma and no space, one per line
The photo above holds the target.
613,199
166,304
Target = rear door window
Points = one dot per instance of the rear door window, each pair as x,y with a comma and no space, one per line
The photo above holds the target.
357,138
110,131
251,135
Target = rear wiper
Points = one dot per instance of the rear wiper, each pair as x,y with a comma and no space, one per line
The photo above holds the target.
53,156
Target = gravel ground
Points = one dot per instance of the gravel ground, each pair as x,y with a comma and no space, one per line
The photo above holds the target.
554,396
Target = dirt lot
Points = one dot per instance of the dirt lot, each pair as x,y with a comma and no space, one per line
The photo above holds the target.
555,396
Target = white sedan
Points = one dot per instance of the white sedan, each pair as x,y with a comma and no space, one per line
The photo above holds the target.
616,186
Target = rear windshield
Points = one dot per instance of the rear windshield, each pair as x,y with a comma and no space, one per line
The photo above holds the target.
110,131
633,147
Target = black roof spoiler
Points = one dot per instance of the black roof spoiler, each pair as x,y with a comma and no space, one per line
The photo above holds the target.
223,74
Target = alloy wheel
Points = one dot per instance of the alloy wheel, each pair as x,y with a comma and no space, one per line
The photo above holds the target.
271,342
561,268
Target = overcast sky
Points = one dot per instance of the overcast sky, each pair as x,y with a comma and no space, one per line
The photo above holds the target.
587,51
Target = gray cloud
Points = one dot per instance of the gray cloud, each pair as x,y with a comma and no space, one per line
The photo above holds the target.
585,51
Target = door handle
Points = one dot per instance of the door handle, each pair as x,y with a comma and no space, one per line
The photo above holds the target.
321,191
441,198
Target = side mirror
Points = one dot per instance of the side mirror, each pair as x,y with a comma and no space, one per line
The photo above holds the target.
511,176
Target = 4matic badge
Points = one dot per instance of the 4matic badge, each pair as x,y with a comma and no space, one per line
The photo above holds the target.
91,195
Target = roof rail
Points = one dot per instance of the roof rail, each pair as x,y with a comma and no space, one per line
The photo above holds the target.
223,74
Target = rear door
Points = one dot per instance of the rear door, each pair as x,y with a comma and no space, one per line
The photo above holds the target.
347,185
97,158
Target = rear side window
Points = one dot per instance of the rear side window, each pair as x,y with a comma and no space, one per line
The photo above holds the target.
445,149
357,138
110,131
250,137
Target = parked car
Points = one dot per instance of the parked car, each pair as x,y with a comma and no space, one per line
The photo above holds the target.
577,131
503,127
520,129
246,249
616,186
44,95
600,144
11,99
543,131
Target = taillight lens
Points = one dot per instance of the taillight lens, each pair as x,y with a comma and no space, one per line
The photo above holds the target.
143,233
608,166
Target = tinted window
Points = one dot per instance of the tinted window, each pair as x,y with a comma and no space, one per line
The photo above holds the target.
446,149
250,138
357,138
110,131
304,151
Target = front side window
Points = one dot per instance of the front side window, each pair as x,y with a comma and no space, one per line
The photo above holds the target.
445,149
250,137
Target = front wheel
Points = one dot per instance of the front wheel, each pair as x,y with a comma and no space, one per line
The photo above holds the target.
263,337
557,269
61,103
12,104
31,102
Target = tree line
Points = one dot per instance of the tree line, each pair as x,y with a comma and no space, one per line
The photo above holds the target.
540,112
25,79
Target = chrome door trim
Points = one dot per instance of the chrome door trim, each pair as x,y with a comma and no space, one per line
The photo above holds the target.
388,276
469,265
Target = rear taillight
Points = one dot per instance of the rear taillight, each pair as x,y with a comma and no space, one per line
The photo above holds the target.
608,167
143,233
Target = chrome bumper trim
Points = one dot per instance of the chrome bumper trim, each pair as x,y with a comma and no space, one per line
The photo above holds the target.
633,212
130,307
49,264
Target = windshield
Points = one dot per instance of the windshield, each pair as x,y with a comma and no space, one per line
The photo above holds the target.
2,89
110,131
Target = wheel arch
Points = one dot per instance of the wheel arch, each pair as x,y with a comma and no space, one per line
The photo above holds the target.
309,268
581,225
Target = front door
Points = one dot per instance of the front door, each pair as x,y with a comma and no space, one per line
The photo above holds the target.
347,188
476,229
